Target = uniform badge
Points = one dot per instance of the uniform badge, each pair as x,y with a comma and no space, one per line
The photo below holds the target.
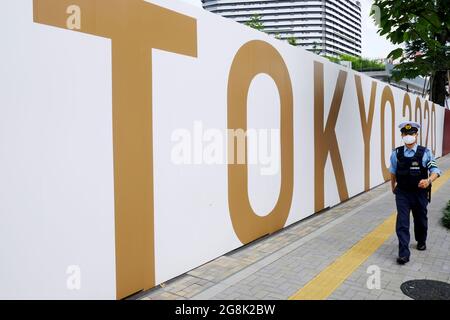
408,126
415,163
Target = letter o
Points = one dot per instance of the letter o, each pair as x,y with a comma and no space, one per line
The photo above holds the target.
253,58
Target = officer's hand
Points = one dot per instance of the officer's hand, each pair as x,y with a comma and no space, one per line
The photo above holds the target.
423,184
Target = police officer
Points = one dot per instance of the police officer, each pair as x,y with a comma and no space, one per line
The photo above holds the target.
411,184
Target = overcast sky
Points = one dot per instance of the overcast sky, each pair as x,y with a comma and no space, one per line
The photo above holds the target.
373,45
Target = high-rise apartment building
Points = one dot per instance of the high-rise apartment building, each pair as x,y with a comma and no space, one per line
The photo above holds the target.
331,27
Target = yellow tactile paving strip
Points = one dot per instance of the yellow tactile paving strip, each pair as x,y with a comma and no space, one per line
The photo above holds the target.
329,279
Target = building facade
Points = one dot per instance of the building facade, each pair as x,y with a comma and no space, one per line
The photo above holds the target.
329,27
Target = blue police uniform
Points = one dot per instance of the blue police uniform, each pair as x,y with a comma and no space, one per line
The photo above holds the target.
410,166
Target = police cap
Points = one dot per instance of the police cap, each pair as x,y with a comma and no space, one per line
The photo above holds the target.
409,127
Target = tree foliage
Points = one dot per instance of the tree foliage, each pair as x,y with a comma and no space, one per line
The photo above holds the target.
315,48
446,217
292,41
423,26
359,63
255,22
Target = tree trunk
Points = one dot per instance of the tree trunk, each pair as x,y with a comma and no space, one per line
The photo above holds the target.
438,91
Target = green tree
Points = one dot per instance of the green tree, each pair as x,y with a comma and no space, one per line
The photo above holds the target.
315,48
424,29
358,63
255,22
446,217
333,59
292,41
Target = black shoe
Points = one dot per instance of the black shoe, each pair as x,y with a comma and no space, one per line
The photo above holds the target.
421,246
402,260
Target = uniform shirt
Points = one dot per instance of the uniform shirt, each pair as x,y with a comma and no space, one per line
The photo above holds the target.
428,160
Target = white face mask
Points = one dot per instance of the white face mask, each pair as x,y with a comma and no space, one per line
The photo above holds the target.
409,139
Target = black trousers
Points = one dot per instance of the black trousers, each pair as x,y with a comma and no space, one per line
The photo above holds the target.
415,201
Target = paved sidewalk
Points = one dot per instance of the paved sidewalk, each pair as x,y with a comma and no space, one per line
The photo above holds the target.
277,266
